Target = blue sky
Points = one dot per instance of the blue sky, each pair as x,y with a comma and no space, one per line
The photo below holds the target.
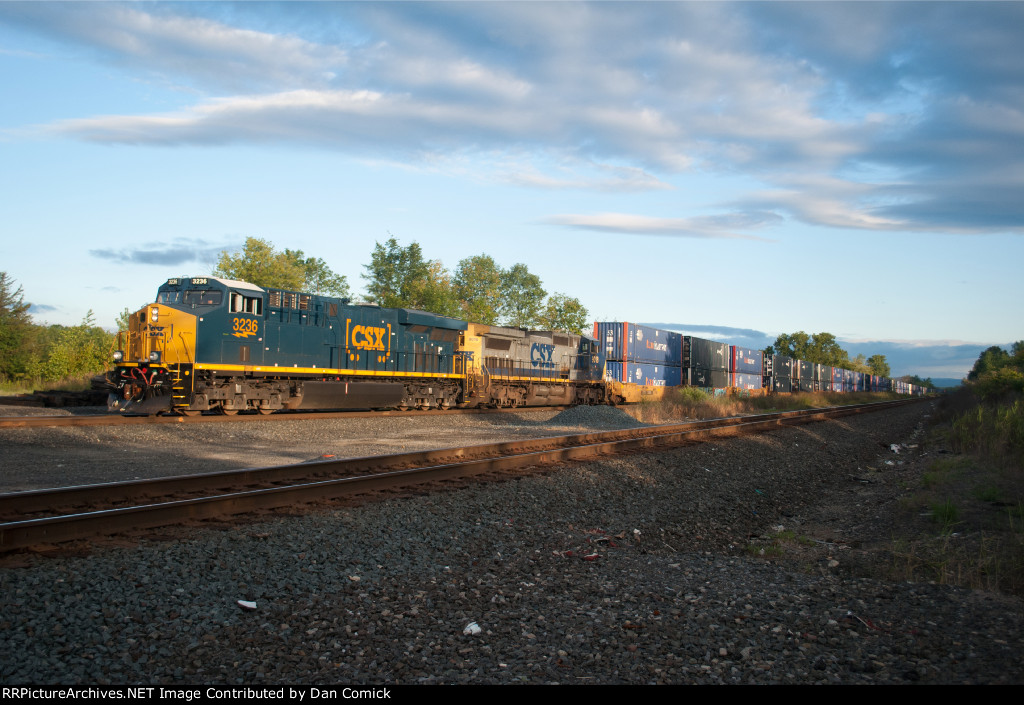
736,170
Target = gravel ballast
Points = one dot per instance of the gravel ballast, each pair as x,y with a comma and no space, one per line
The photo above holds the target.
633,569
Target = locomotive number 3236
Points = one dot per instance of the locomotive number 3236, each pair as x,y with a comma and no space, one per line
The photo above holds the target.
244,327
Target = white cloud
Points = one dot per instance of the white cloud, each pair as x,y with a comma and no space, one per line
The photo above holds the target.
720,226
178,44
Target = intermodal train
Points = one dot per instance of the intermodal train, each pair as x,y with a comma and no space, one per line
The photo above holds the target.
214,344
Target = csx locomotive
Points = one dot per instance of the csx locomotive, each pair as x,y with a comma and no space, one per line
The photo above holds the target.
208,343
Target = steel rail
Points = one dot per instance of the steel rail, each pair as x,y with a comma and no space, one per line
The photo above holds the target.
117,420
111,493
24,533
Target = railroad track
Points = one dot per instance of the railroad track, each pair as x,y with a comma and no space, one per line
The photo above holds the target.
66,514
117,420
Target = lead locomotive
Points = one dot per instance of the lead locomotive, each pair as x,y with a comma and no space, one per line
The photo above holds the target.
217,344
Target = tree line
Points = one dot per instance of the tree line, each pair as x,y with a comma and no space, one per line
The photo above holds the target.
824,349
479,290
998,373
31,352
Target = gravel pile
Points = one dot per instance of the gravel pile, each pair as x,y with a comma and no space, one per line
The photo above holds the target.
635,569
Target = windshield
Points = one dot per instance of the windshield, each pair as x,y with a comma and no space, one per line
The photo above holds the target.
203,297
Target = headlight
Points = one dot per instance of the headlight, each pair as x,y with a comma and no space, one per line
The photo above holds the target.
118,355
154,356
154,314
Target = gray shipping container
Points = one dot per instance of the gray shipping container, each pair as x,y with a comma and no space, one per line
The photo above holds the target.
781,365
703,377
700,354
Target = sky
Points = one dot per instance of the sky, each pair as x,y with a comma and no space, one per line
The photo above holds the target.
729,170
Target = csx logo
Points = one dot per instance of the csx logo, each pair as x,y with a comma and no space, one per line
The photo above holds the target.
369,338
540,355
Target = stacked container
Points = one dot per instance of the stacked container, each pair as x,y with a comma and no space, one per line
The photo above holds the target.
837,379
638,354
780,372
803,376
822,377
705,363
746,366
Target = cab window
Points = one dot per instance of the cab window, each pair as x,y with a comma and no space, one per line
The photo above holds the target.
203,297
246,304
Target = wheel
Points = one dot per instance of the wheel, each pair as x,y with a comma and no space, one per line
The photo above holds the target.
228,412
265,412
190,412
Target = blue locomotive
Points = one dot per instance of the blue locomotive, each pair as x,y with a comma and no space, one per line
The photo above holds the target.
208,343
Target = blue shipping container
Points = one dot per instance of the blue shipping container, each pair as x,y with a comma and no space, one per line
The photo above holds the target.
644,373
746,360
638,343
744,380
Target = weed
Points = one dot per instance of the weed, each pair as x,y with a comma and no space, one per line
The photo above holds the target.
991,430
987,493
945,513
772,550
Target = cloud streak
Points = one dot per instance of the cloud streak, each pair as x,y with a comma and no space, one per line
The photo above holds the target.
177,253
718,226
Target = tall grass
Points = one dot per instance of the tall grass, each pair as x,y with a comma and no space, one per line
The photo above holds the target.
975,497
990,430
74,383
696,403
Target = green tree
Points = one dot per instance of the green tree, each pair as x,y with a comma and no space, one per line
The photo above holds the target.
857,364
826,350
122,320
878,365
997,373
990,360
564,313
396,276
478,288
16,329
823,349
73,351
318,278
795,345
522,297
436,292
260,264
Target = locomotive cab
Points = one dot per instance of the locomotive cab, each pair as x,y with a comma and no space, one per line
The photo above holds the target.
156,356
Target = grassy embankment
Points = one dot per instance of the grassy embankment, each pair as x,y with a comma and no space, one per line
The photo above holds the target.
962,515
968,504
690,403
68,384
